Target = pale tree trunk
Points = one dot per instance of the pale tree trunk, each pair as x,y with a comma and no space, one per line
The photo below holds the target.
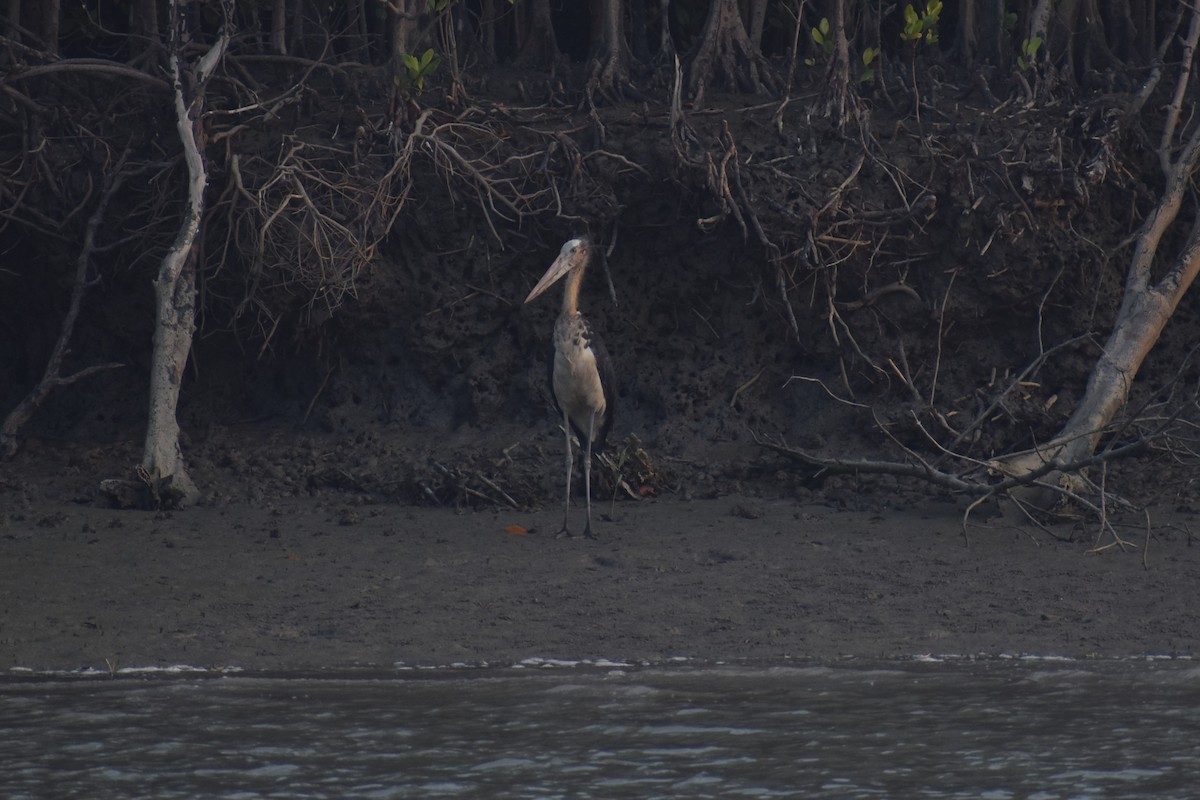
1145,309
1146,305
1039,21
175,287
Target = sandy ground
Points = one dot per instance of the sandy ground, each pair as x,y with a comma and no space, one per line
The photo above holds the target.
333,581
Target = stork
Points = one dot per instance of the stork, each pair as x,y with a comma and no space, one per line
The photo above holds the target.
581,373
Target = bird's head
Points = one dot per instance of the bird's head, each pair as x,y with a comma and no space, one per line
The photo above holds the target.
574,255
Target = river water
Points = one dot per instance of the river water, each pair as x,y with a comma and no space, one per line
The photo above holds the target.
1000,728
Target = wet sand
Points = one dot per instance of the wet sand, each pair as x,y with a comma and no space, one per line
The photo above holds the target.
336,582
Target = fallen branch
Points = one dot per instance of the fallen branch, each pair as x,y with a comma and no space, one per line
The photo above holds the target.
954,482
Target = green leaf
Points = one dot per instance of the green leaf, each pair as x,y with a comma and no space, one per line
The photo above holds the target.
410,62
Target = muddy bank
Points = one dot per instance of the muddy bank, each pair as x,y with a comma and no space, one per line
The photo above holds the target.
335,580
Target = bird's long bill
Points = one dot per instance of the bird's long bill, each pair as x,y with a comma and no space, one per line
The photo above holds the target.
560,267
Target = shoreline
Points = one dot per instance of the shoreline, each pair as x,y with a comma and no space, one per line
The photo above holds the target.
533,667
332,583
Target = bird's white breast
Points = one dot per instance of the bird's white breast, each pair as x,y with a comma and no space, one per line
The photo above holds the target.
577,385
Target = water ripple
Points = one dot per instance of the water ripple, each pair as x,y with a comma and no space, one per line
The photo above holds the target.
1010,729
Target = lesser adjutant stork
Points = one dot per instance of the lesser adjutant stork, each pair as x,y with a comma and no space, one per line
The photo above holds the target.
581,373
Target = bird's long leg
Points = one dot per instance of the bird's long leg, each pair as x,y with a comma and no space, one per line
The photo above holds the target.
587,476
564,531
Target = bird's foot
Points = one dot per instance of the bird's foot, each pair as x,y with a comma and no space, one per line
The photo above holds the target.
566,533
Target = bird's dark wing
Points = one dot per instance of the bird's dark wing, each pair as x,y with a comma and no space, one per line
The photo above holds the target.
550,378
608,380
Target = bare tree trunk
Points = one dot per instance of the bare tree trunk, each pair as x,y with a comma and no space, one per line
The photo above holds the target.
175,286
758,19
666,44
1142,15
967,43
12,21
725,51
309,31
50,17
279,27
405,18
356,24
143,24
540,46
992,44
296,28
639,41
1146,306
487,30
839,94
1039,21
1145,310
609,73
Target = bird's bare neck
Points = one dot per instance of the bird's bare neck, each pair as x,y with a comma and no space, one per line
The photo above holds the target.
570,304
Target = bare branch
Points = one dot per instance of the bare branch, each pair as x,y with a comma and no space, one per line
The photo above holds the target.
94,66
51,377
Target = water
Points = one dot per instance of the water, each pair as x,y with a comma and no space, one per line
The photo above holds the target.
969,729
